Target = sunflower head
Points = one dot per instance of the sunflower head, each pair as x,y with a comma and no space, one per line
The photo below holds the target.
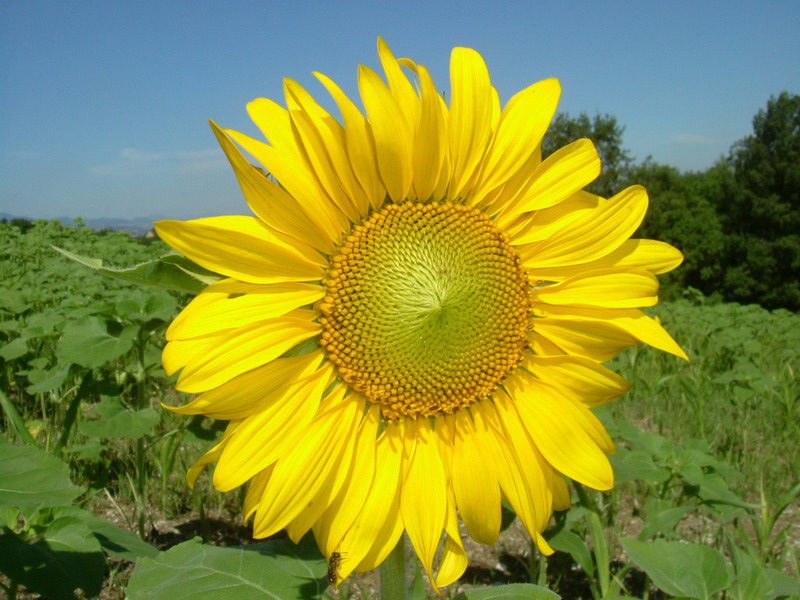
413,325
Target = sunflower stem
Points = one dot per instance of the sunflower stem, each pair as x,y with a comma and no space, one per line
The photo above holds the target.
393,573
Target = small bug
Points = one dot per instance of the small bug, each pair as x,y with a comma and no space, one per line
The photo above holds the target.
333,568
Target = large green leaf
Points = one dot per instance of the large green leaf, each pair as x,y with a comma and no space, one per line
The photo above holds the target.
512,591
14,349
113,539
87,342
66,558
568,541
662,517
191,570
172,271
637,464
749,580
31,477
684,570
118,421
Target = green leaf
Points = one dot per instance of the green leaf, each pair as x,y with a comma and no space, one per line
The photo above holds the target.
568,541
67,558
512,591
87,342
782,584
637,464
172,271
14,349
45,380
15,419
119,421
113,539
31,477
661,518
191,570
749,580
684,570
12,300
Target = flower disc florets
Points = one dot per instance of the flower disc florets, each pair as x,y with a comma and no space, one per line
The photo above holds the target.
426,309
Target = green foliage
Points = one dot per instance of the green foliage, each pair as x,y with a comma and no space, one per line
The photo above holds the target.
47,545
191,570
680,569
80,379
33,478
514,591
762,219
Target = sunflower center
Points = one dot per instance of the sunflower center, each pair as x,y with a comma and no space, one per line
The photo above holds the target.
426,309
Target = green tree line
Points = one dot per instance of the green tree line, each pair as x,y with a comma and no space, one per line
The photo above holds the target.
737,223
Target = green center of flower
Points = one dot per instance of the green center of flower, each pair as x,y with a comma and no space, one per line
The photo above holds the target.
426,309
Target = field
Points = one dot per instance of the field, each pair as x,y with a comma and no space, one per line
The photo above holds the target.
93,469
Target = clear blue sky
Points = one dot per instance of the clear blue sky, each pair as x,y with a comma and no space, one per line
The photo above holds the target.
105,104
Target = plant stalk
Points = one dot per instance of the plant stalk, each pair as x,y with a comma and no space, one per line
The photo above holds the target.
393,573
141,481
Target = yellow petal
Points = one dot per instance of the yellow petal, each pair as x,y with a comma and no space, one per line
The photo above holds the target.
325,148
360,144
454,559
274,122
320,161
430,143
237,304
530,462
377,528
255,492
179,353
423,506
252,391
270,202
562,174
528,229
475,485
242,248
603,288
212,455
299,475
394,140
246,348
511,474
629,320
593,235
562,431
400,86
470,120
597,340
345,509
590,382
339,461
519,132
273,431
293,175
561,498
656,257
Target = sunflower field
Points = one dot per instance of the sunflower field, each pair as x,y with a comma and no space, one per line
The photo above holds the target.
93,468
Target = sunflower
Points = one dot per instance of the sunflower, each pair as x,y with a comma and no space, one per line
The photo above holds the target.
413,325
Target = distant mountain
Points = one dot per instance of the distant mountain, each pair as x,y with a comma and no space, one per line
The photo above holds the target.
138,226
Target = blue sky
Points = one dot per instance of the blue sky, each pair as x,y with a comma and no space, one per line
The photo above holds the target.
104,105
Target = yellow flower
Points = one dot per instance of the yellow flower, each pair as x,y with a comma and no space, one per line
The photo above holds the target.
413,325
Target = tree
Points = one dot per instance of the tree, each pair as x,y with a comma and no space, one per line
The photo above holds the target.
682,213
606,134
762,219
